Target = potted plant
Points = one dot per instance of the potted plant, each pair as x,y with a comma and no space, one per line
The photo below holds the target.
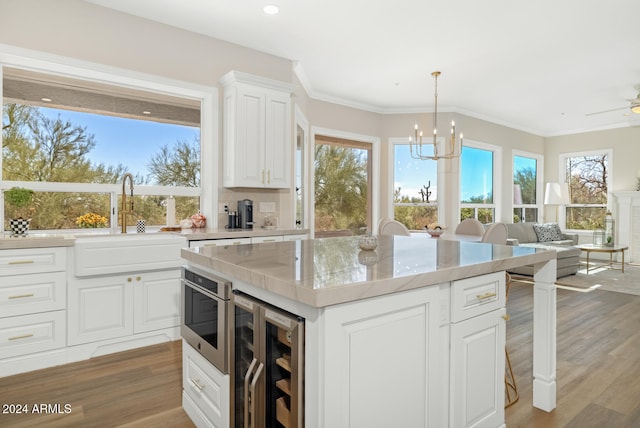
19,199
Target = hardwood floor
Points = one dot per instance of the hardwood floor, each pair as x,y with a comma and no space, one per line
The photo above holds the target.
134,389
598,361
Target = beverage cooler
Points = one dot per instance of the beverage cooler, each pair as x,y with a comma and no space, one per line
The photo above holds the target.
267,358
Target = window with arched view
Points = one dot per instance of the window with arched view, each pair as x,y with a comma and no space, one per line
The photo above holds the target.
415,188
72,141
588,178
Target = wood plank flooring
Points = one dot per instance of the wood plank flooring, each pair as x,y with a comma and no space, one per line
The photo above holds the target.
598,360
134,389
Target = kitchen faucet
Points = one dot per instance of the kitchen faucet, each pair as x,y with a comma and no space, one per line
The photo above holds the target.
124,210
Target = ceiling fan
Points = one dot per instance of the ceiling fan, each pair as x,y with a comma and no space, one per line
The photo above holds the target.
634,105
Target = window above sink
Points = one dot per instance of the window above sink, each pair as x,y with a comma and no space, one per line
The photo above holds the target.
71,137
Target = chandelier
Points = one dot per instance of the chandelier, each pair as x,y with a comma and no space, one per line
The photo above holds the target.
451,152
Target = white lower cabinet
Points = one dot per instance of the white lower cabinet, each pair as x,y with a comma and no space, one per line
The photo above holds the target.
477,371
33,302
29,334
108,307
427,357
381,365
431,357
477,345
205,394
156,297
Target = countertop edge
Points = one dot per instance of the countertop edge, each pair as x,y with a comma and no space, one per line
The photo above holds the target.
26,243
329,296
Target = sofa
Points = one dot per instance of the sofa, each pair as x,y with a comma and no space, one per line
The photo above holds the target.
547,236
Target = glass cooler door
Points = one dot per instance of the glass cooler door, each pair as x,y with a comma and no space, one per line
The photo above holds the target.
244,340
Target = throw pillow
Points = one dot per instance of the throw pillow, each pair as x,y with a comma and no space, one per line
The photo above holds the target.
548,232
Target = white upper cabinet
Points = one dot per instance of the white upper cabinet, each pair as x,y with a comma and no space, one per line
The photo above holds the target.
257,131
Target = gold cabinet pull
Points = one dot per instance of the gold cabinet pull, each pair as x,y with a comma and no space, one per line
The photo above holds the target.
196,383
486,295
129,279
21,262
138,278
506,317
269,177
24,336
21,296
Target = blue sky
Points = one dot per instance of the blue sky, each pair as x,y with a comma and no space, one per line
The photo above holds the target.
127,141
412,174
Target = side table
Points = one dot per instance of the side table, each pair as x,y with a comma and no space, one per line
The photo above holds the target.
590,248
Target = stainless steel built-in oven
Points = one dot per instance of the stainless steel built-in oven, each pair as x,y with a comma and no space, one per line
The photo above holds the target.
205,315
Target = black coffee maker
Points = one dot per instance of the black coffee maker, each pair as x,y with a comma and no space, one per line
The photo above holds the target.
245,214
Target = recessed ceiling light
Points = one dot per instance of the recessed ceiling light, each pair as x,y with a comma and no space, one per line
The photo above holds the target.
46,100
271,9
146,112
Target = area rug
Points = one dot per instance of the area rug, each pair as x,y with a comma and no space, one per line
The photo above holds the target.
601,278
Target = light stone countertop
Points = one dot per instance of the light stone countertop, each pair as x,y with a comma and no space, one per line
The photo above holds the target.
323,272
36,241
67,239
222,233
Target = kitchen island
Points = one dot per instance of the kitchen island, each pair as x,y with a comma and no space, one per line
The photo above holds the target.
411,334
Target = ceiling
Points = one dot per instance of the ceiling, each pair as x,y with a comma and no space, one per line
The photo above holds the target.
539,66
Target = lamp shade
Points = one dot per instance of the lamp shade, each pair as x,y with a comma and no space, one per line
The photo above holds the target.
556,194
517,194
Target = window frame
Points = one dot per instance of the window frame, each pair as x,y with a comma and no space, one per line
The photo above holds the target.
539,182
497,181
562,174
374,164
302,123
440,168
90,72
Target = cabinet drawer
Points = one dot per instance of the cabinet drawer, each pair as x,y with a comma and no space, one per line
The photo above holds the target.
261,239
27,334
219,242
207,387
471,297
295,237
30,294
32,260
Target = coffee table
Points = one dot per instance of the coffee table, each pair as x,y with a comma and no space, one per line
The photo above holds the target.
590,248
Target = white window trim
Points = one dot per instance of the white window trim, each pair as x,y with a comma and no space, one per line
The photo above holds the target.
539,180
207,95
497,180
562,174
375,171
302,122
392,143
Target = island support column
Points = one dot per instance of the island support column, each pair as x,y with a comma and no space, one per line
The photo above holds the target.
544,336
